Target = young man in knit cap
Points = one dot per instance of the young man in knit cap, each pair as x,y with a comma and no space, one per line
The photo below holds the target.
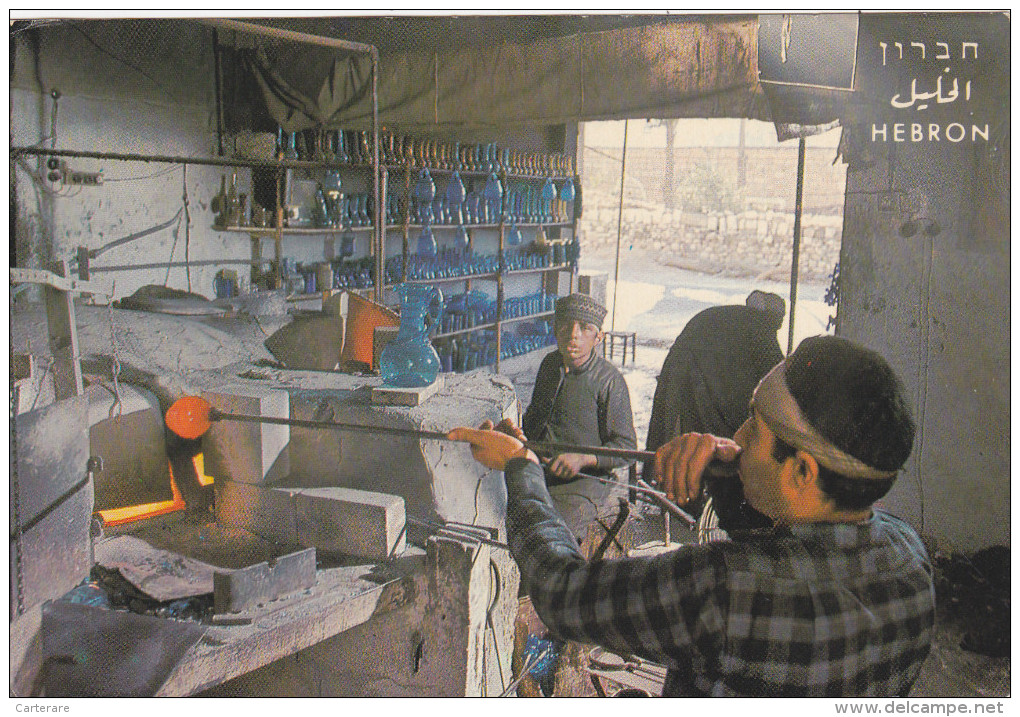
579,397
836,598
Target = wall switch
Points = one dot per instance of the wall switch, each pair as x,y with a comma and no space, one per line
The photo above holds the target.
86,179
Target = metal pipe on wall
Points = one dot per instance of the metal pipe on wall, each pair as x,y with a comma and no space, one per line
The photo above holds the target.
380,214
795,260
619,224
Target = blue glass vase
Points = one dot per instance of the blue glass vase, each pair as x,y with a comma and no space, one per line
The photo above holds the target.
409,360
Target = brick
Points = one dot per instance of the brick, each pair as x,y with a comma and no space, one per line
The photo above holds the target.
396,396
267,512
248,452
257,584
353,522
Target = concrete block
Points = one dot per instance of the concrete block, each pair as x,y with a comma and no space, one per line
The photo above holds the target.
237,590
313,341
557,282
594,285
248,452
349,521
396,396
267,512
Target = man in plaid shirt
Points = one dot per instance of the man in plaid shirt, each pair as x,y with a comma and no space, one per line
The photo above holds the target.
836,599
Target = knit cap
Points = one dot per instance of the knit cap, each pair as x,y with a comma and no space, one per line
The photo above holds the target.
580,307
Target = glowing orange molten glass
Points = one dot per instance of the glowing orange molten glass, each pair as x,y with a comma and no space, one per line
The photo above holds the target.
189,417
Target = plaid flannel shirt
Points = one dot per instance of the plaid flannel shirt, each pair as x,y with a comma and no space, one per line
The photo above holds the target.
810,610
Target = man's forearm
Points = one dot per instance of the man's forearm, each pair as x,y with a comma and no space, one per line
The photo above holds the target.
532,520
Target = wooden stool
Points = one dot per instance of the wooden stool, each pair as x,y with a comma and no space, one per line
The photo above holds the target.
625,338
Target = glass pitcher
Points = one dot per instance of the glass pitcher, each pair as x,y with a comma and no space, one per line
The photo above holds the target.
410,360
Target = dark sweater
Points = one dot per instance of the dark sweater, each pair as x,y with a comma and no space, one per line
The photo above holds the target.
590,406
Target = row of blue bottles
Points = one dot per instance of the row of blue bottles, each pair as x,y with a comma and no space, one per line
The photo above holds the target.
517,344
446,263
539,327
334,209
353,274
537,303
518,259
313,145
466,310
566,252
468,352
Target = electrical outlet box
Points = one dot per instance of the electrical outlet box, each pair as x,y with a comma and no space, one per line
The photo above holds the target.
86,179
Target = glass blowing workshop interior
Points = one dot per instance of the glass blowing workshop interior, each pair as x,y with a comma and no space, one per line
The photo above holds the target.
260,267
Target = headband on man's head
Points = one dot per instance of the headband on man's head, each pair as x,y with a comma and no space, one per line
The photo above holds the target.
779,409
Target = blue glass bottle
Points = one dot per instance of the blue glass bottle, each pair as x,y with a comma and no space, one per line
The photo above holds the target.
291,151
347,242
463,241
548,197
427,246
567,192
410,360
423,194
514,236
493,194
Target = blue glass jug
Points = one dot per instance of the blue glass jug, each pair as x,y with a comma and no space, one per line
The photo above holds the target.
410,360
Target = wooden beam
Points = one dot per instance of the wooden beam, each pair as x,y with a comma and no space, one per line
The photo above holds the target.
63,333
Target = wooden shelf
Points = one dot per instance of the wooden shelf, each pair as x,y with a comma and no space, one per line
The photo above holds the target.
527,316
536,270
290,231
476,327
270,231
447,279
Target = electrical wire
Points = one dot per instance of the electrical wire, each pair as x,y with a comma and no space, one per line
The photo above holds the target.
102,49
187,228
173,168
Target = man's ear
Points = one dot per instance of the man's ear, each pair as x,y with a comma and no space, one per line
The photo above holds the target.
599,336
805,469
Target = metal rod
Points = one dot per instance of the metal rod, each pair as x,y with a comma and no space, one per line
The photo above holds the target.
457,530
795,260
95,253
380,210
529,662
281,34
215,415
625,453
178,264
172,159
619,224
715,468
666,503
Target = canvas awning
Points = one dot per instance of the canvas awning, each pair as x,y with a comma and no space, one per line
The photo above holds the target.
664,68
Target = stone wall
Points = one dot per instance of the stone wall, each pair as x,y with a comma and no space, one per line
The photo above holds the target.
749,231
